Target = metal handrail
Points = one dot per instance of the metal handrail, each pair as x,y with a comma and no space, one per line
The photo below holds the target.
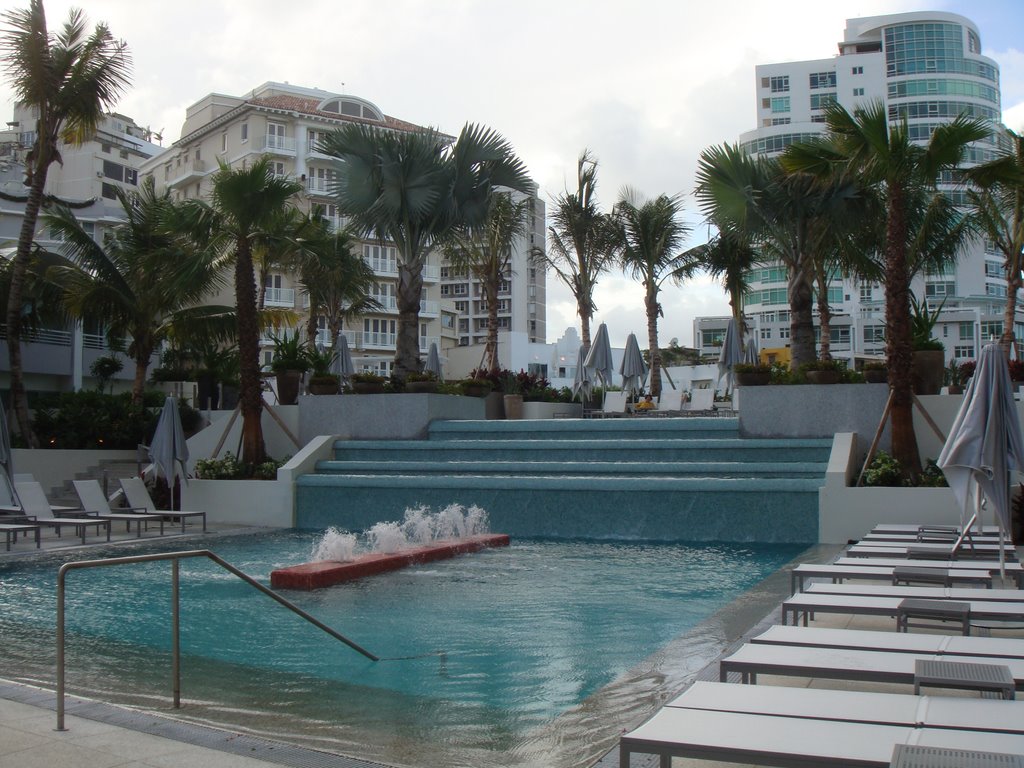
174,557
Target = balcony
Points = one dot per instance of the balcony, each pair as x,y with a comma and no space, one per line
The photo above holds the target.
319,187
387,303
429,308
279,297
276,145
385,267
377,340
431,273
188,171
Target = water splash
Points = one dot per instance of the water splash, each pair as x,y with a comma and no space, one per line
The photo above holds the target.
419,527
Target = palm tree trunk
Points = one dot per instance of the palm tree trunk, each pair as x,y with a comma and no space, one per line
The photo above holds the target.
142,358
651,304
250,396
898,349
491,348
407,347
824,316
801,320
1013,284
19,398
312,328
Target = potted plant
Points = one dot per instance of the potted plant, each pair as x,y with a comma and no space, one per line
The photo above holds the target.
752,374
953,378
476,387
823,371
367,383
423,382
876,372
289,362
929,354
322,381
513,397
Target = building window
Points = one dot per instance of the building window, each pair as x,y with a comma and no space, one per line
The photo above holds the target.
822,100
224,142
858,91
781,120
109,191
822,80
784,333
993,269
966,331
995,291
874,334
779,84
939,290
857,71
991,329
780,104
766,334
245,132
963,351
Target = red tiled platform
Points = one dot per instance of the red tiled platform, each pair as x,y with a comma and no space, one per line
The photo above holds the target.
316,575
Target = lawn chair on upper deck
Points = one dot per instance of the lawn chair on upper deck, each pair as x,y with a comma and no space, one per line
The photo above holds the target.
95,503
138,496
37,508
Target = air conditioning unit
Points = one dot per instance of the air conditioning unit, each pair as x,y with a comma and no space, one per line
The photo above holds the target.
99,174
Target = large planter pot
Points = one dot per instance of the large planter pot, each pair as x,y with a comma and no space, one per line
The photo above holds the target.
288,383
823,377
324,387
421,387
513,406
927,371
208,394
494,405
753,378
876,376
368,387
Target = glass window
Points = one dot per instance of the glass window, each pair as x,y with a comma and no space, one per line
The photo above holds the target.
780,104
996,291
822,100
963,351
991,329
858,91
780,84
822,80
245,132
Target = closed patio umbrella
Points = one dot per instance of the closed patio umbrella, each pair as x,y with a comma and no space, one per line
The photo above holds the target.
633,368
599,358
433,364
168,450
751,355
582,384
343,365
985,444
732,353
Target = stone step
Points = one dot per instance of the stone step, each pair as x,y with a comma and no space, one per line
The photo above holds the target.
570,429
741,469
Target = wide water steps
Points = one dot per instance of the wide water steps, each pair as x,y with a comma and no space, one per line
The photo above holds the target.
646,479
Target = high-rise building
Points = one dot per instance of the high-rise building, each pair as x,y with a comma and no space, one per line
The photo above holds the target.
926,68
286,123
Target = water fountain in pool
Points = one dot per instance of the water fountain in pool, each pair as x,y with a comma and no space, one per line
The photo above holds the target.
421,537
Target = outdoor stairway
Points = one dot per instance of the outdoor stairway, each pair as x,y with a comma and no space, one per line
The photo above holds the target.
645,478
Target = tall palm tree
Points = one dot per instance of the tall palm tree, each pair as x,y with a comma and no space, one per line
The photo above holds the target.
757,201
881,154
141,282
71,78
413,188
728,258
486,253
999,210
243,213
647,235
578,241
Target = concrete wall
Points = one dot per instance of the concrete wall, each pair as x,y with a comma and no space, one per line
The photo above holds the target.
279,444
53,467
245,502
381,417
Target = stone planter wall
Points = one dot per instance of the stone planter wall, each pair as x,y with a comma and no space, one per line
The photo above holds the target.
381,417
552,410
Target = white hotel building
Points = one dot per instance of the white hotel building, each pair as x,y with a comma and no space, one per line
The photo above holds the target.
927,68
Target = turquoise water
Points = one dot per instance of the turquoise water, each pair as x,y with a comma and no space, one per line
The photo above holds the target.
507,639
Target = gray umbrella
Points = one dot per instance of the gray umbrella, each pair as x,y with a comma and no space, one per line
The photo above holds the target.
599,360
433,364
342,365
168,449
751,355
582,382
633,368
7,475
732,353
985,444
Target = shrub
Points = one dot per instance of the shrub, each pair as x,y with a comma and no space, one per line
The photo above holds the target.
93,420
229,468
884,471
932,476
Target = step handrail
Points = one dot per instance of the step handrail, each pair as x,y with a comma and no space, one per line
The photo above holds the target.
174,557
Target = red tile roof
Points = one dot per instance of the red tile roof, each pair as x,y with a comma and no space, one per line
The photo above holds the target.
308,106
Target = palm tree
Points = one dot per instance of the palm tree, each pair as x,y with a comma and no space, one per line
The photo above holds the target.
999,210
647,235
141,282
578,241
71,78
728,258
881,154
757,201
413,188
243,213
486,253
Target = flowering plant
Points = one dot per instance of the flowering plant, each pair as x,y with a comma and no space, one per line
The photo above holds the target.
645,405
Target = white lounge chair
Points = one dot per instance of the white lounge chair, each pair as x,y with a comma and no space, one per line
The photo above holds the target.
1012,568
790,741
670,403
614,404
701,401
95,503
869,572
806,604
138,496
856,706
930,550
896,642
37,507
753,659
923,593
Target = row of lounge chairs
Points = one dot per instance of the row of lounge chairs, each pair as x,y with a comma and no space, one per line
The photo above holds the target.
95,514
794,726
673,402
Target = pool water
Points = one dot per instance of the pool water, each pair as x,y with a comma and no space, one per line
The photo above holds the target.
490,648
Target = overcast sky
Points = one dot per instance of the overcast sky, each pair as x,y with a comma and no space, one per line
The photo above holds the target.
644,85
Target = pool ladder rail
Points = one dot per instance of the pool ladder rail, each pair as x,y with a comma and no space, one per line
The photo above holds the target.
174,557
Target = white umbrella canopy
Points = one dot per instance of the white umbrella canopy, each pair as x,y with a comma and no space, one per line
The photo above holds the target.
168,450
633,368
599,358
433,364
342,365
751,354
732,353
581,382
985,443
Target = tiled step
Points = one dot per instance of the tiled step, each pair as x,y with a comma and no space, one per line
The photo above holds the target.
586,429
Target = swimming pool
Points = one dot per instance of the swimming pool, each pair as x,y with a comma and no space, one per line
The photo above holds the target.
530,635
